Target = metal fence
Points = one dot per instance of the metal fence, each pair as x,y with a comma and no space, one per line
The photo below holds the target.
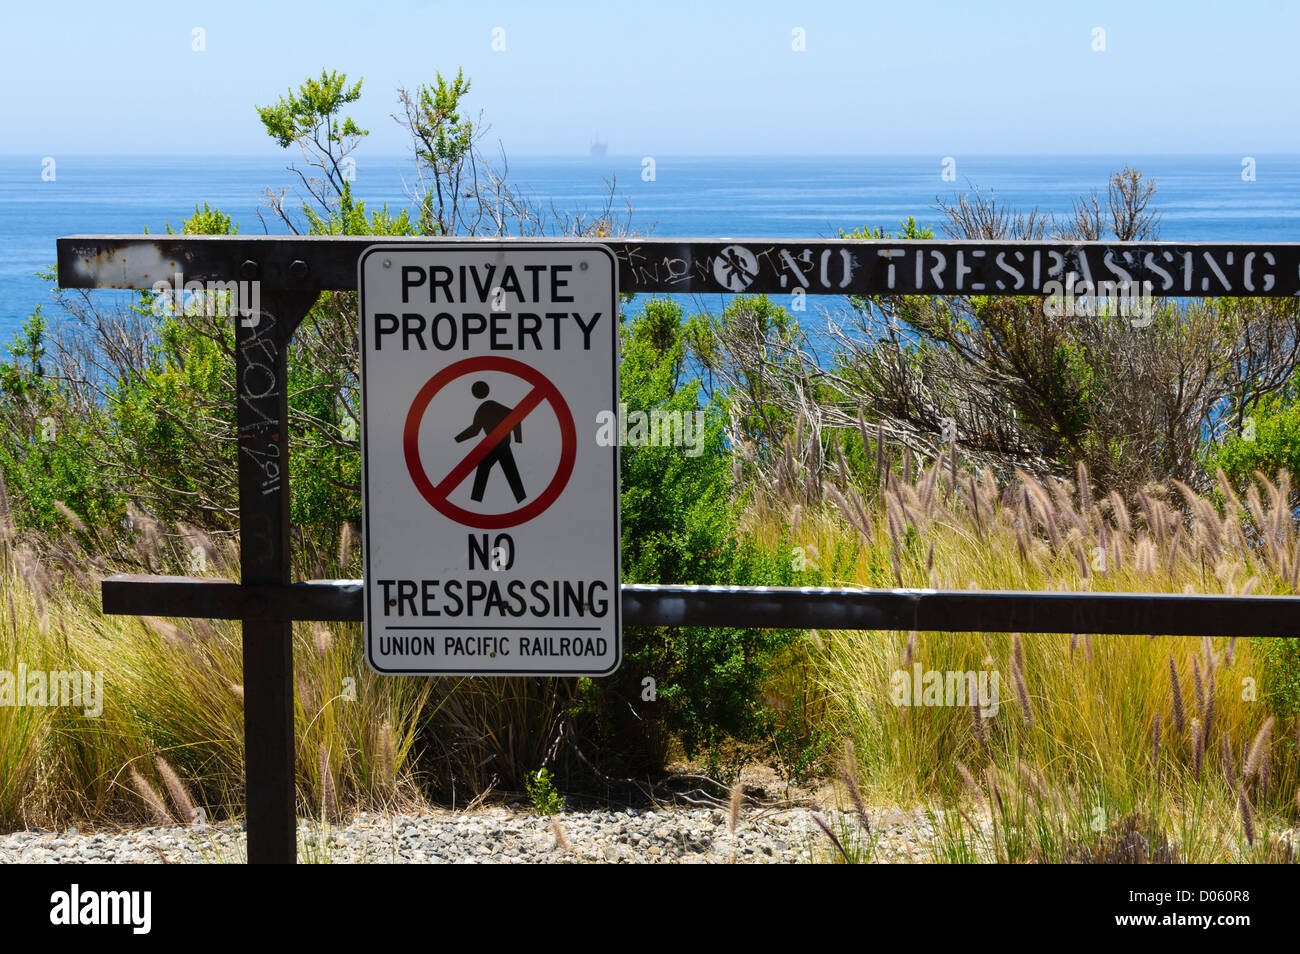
293,271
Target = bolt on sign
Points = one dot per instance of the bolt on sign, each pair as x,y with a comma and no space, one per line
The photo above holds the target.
490,509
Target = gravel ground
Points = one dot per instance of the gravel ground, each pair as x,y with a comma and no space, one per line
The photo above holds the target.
501,835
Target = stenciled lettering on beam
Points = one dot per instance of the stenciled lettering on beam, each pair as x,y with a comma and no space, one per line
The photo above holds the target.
956,268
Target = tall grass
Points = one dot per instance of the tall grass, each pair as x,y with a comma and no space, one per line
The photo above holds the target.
172,690
1096,737
1102,747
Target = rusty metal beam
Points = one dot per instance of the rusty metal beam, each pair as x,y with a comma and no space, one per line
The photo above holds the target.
1169,614
262,414
677,265
208,598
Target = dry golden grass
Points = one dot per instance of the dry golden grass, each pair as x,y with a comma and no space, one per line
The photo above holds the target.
172,714
1090,729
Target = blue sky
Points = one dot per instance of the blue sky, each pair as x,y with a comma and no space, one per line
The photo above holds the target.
671,78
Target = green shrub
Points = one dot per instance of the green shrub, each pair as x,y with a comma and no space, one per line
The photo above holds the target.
542,793
679,525
1265,437
1279,668
46,457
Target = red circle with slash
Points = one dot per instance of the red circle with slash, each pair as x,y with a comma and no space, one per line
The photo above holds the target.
437,494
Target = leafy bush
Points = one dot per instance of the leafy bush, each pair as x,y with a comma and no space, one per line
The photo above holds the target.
1279,670
45,462
680,525
1263,437
542,793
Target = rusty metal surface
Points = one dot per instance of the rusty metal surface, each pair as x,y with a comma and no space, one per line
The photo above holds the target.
208,598
784,266
1172,614
262,413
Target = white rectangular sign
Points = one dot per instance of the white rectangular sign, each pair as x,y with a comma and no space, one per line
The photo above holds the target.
490,507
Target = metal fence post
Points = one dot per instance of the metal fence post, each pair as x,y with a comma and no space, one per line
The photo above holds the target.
261,346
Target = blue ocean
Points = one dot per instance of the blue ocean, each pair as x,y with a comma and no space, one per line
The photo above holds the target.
1201,198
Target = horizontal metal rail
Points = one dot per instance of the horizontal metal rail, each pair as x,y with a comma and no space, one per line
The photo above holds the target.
724,265
1171,614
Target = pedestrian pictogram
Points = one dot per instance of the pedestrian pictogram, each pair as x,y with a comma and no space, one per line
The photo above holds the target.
487,420
490,503
497,425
